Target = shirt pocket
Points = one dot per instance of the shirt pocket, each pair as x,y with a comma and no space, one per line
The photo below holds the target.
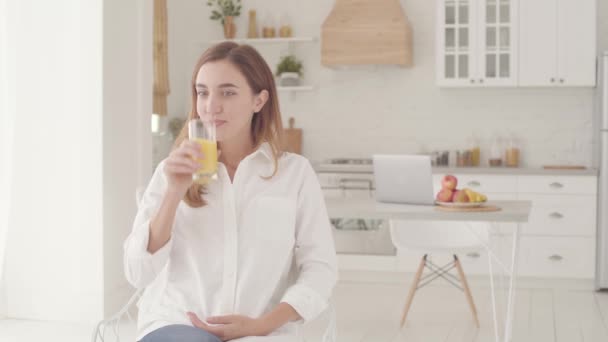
276,220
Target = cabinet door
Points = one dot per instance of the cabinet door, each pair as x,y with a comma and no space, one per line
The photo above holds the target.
538,42
498,42
456,42
576,42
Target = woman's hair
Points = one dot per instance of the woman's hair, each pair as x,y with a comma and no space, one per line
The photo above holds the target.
266,125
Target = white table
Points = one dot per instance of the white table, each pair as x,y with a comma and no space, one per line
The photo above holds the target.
511,211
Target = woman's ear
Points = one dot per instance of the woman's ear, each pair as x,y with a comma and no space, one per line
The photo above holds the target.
260,100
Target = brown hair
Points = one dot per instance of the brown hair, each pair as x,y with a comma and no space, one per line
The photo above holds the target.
266,125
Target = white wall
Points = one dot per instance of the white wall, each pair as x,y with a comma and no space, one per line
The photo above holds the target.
388,109
6,138
81,93
127,104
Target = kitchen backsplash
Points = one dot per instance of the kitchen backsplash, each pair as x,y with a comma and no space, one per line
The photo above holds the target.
359,111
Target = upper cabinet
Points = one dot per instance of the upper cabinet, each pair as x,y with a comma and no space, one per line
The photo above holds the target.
516,42
557,43
476,42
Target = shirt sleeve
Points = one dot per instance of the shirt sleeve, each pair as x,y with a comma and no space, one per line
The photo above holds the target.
142,267
315,252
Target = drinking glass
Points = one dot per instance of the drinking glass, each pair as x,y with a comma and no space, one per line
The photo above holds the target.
204,134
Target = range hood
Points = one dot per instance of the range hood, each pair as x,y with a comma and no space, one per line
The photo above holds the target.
366,32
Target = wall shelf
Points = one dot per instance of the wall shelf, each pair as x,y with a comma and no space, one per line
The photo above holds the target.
298,88
267,40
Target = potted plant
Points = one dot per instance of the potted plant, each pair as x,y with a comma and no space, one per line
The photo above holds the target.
225,11
289,71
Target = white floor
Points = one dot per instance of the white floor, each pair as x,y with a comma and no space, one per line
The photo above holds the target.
369,307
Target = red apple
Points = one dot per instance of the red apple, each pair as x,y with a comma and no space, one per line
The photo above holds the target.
449,182
445,195
460,196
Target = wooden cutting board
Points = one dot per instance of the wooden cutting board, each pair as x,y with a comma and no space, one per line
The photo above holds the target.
293,138
483,208
564,167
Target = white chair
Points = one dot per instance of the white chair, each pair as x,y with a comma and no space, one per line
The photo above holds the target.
441,237
113,323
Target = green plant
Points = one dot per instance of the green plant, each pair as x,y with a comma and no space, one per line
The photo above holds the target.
289,64
224,8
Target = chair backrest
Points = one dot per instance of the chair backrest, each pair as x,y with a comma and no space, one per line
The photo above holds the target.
139,194
439,235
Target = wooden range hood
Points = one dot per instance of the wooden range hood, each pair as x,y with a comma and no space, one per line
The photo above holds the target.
364,32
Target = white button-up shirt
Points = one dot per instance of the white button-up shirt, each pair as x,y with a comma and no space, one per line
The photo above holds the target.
255,244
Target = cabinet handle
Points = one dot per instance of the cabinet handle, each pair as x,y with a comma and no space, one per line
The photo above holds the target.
473,255
561,80
473,183
556,185
552,80
481,80
472,81
556,257
556,215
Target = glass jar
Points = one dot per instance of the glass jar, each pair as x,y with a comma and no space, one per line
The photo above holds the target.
495,158
512,153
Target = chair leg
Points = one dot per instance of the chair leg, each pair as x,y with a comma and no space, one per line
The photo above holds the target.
413,288
467,290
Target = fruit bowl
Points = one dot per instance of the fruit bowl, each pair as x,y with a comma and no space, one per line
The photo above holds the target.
460,204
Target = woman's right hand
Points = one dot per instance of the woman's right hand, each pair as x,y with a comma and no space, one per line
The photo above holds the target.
181,164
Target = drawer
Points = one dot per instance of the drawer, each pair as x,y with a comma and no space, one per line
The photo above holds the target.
557,184
563,257
571,215
481,183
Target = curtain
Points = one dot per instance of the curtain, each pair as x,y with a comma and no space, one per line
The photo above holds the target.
161,65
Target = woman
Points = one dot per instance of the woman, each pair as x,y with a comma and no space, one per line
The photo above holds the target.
250,255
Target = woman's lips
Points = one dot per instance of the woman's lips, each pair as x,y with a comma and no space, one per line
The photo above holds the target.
218,123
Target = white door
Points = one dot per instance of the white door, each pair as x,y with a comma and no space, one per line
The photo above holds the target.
576,42
538,42
497,49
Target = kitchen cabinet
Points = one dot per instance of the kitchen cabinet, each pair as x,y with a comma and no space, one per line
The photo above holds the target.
559,238
477,42
557,43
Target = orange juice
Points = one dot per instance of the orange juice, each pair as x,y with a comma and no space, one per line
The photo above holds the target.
209,161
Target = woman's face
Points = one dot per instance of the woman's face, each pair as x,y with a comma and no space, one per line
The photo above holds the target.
224,96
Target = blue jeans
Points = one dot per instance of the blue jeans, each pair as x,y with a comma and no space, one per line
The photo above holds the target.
180,333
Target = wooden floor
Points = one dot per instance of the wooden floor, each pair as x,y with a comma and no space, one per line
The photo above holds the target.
369,305
369,308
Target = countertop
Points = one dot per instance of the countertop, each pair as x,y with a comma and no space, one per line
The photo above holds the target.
511,211
463,170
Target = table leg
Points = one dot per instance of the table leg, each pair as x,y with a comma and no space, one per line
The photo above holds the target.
494,314
511,297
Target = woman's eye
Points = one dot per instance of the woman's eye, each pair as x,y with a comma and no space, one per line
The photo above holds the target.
201,93
229,93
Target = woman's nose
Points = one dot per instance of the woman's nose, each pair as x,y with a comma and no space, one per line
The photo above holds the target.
213,105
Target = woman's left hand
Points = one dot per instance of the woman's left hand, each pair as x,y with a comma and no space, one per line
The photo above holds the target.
231,326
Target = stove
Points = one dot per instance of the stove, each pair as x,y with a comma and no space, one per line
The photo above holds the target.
355,165
348,161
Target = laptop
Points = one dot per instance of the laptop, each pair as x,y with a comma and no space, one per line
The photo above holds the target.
406,179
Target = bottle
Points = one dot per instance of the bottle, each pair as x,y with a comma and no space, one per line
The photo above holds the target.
253,25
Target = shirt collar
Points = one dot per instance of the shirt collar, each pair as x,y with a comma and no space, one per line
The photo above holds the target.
265,150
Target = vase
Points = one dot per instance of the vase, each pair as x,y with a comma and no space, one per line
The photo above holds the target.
253,26
289,79
229,27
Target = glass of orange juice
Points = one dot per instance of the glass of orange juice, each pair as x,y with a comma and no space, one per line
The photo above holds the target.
204,134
